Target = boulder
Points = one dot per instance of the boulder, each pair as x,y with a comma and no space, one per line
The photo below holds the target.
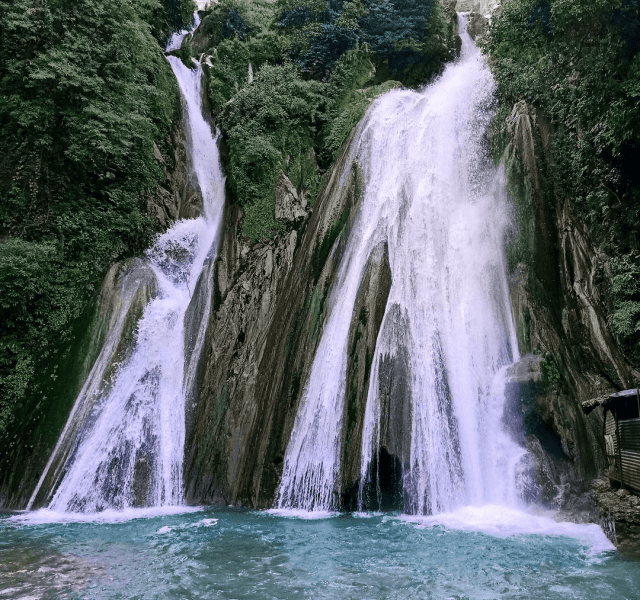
476,24
619,510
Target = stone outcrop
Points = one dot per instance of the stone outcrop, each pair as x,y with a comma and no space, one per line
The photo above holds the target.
476,24
619,514
290,206
562,451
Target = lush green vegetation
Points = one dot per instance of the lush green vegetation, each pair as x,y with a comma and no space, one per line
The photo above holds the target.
318,66
403,35
269,124
578,62
84,93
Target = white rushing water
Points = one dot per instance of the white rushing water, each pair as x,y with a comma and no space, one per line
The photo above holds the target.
175,41
433,196
133,424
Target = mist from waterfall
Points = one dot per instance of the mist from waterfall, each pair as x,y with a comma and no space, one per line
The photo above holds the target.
123,444
433,196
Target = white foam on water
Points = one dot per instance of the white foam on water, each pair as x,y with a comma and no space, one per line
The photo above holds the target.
504,521
202,523
44,516
296,513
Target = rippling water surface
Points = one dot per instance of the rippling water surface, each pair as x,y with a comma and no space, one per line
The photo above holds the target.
242,554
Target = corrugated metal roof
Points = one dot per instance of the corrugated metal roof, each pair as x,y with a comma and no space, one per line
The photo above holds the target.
608,400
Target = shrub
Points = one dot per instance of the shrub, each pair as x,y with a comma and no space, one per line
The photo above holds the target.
408,37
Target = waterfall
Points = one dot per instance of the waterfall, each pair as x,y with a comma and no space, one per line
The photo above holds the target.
123,444
435,199
175,41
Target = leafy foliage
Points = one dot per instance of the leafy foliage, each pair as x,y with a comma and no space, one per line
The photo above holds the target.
405,35
350,97
224,22
328,45
270,127
578,62
168,16
84,92
230,18
316,74
625,293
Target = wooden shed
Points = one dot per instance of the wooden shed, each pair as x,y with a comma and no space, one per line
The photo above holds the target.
621,413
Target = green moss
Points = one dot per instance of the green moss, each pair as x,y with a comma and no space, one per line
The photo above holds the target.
551,373
523,327
322,249
352,395
316,307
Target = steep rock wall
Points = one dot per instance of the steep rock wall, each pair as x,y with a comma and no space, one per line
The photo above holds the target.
561,314
177,198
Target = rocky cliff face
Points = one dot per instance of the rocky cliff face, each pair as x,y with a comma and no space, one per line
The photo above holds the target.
558,301
177,198
270,302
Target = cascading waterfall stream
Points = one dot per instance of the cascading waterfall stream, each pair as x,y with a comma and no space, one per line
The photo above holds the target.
124,441
433,196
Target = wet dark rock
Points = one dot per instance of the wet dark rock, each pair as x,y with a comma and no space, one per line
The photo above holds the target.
270,303
368,313
141,480
620,509
176,198
476,24
559,306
